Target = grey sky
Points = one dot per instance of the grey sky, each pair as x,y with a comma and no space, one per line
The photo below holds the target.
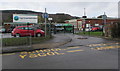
93,9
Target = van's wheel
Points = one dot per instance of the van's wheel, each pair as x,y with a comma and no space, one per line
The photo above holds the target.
17,35
38,35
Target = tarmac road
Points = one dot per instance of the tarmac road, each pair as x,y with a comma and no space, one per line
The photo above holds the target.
82,53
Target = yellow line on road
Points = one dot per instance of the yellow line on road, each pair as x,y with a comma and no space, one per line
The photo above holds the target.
75,50
8,54
102,44
73,47
107,47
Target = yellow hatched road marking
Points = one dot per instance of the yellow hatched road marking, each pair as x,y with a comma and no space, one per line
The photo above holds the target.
102,44
75,50
107,47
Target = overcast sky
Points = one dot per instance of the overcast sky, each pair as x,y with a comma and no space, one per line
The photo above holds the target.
73,7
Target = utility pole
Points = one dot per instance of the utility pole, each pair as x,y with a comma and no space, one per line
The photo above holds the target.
84,24
84,12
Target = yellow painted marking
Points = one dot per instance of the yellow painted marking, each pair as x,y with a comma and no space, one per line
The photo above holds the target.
102,44
33,55
58,49
22,56
59,53
50,53
47,50
75,51
37,51
8,54
24,53
72,47
107,47
41,54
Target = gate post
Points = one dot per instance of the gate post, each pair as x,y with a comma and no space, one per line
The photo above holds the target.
73,29
64,29
54,29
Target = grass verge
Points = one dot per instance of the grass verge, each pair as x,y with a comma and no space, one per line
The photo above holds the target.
23,41
91,33
97,34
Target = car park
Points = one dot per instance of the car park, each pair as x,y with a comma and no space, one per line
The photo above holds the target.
21,31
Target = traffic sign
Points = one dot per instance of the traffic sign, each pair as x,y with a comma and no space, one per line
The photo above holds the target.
45,15
50,18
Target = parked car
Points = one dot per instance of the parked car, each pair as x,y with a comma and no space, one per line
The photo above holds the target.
27,31
59,27
95,28
101,28
88,29
2,30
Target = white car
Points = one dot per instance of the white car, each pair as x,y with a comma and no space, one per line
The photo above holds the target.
88,29
2,30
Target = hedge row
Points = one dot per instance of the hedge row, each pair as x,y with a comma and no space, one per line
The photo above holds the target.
115,30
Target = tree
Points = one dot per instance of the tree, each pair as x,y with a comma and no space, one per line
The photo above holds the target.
40,19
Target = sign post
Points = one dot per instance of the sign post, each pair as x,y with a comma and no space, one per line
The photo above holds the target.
45,15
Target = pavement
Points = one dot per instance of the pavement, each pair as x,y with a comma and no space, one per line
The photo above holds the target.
58,40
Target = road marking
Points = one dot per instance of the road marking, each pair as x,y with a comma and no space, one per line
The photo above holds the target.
46,52
106,47
8,54
22,56
102,44
75,50
40,53
73,47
